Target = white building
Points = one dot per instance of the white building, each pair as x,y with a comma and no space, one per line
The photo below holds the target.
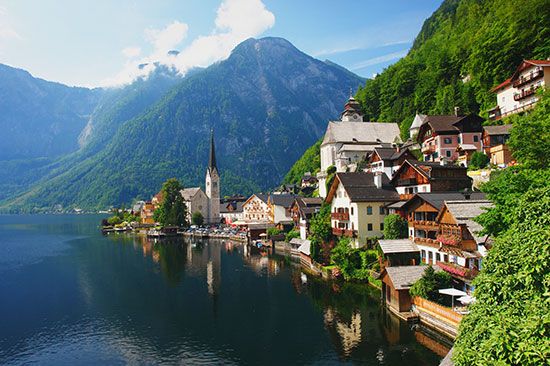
256,209
350,140
419,119
518,93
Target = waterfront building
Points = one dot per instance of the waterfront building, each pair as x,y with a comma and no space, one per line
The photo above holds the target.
195,200
421,177
279,206
399,252
358,203
256,209
231,211
302,210
440,136
518,93
349,140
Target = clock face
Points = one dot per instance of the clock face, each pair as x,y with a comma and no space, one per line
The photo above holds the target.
355,116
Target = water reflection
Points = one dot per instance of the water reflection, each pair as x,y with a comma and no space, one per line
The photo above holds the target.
357,326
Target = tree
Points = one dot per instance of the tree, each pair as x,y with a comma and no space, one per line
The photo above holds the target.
272,231
291,235
395,227
197,218
172,211
508,324
320,233
354,264
428,285
478,160
530,135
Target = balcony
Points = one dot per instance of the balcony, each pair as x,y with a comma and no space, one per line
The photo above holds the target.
340,216
458,271
406,182
427,241
428,149
425,225
343,232
450,240
524,94
406,196
526,79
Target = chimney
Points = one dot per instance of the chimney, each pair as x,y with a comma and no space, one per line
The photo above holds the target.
378,179
457,111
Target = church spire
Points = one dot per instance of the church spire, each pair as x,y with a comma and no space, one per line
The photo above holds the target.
212,160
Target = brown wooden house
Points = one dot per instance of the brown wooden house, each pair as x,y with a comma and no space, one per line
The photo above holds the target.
396,283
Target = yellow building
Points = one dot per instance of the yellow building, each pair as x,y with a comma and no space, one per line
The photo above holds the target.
358,203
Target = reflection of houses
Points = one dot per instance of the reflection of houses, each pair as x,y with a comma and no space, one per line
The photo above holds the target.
440,136
358,203
302,210
414,177
518,93
348,141
348,332
494,144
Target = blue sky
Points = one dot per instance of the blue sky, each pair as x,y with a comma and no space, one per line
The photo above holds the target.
101,42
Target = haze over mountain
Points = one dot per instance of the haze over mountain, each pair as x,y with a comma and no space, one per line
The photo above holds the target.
266,103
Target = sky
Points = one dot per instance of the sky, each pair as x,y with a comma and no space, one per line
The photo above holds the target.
103,42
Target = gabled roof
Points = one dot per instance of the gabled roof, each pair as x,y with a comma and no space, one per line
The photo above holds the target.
390,153
360,187
437,199
449,124
284,200
397,246
526,64
465,211
189,193
261,196
403,277
236,207
497,130
419,119
502,85
308,205
426,168
360,132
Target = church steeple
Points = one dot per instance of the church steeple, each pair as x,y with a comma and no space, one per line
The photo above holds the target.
212,159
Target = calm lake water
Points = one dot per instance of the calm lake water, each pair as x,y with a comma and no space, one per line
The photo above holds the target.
69,295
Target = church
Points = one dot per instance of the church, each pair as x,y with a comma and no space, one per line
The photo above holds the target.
206,202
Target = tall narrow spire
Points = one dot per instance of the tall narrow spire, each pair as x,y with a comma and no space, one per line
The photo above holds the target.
212,160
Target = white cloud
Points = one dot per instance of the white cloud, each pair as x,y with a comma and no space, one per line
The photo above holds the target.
6,31
379,59
236,20
131,52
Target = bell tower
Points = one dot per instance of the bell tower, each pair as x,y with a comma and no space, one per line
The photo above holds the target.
213,185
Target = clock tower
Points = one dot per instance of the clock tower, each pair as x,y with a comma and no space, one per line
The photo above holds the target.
213,185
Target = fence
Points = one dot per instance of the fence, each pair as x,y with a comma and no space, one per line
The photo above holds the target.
440,312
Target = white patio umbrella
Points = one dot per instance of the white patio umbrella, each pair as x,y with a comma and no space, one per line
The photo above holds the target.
466,299
453,292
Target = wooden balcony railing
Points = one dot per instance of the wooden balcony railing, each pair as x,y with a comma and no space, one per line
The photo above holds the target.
343,232
524,94
425,225
528,78
406,196
406,182
341,216
427,241
428,149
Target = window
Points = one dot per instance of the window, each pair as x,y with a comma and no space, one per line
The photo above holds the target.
448,140
381,226
369,210
382,210
437,257
476,138
448,153
369,227
352,210
459,140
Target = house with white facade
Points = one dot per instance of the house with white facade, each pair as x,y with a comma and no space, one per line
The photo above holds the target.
388,159
280,210
518,93
256,209
358,203
350,140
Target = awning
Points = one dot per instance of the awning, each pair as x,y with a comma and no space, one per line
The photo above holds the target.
452,292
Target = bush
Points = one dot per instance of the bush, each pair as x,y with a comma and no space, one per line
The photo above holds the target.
272,231
478,160
291,235
197,218
354,264
395,227
114,220
428,285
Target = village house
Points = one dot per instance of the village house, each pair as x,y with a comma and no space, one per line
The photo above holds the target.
302,210
442,227
231,211
195,200
280,214
518,93
494,144
358,203
421,177
388,159
256,209
350,140
308,180
440,136
399,252
147,212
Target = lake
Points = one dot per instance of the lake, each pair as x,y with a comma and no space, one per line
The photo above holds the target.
69,295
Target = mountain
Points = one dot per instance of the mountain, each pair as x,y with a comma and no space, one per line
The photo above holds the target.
88,133
41,119
464,49
266,103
